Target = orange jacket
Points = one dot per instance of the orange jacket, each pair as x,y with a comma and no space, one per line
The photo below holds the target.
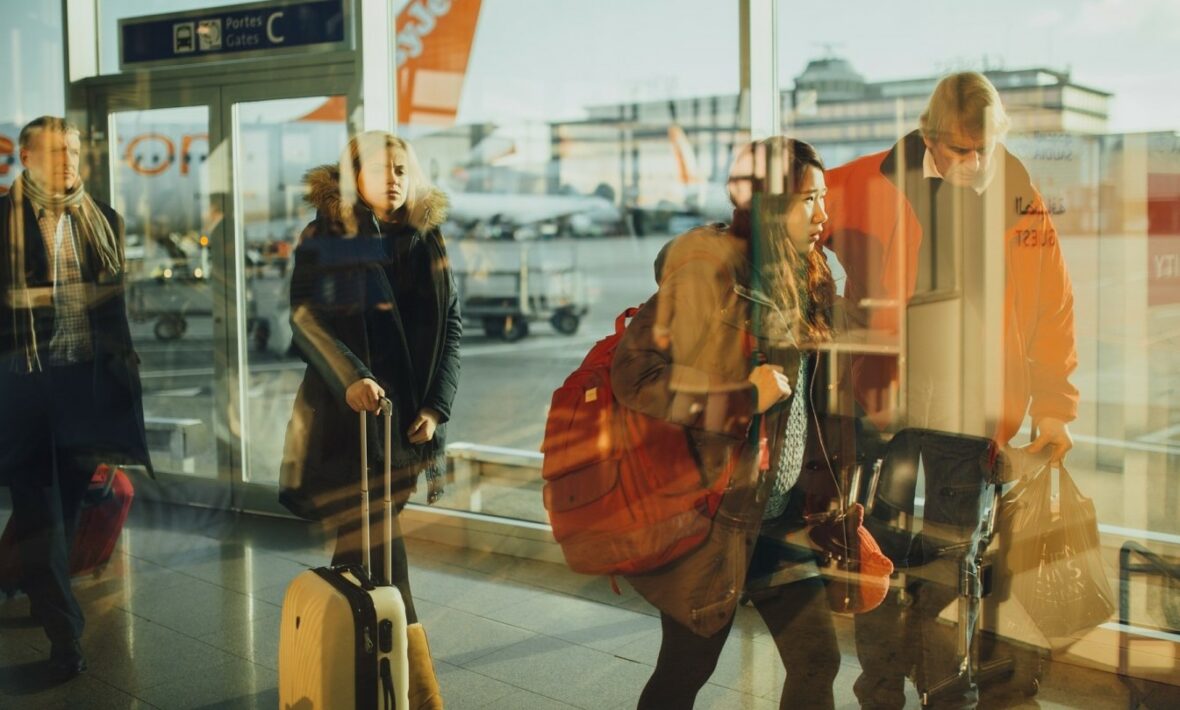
868,215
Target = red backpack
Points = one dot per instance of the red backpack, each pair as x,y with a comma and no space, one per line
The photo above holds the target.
624,491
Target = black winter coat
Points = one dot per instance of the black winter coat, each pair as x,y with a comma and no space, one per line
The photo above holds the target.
115,379
345,317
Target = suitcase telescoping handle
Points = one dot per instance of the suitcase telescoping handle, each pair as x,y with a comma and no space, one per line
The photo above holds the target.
109,480
385,411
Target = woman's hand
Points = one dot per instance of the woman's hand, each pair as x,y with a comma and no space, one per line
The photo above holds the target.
422,430
364,395
772,385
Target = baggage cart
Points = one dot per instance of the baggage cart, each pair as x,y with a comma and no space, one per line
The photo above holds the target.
505,286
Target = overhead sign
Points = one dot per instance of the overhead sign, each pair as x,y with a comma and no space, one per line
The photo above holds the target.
233,32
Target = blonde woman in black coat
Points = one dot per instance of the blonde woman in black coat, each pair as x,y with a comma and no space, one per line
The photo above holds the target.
375,314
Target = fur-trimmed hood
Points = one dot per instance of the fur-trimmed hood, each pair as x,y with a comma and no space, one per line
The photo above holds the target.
323,192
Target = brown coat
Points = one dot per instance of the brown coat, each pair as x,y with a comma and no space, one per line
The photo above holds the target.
700,381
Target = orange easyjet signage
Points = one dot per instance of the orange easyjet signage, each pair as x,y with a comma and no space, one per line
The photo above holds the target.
434,39
153,153
7,160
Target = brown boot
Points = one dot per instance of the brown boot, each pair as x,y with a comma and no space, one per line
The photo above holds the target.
424,692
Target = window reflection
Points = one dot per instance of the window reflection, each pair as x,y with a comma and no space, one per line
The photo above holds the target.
278,142
161,187
571,161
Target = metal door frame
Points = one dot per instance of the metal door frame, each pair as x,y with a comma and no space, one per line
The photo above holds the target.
219,88
256,497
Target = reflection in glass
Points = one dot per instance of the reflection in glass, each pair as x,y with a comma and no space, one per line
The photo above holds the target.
161,187
276,143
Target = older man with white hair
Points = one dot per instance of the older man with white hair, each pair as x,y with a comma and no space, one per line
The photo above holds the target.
939,215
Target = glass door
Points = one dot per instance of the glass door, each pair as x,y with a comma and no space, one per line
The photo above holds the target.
208,176
165,161
276,141
278,132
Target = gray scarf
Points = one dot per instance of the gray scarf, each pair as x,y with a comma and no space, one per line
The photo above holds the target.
93,228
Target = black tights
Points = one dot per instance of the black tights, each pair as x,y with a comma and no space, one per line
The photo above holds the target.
349,545
800,622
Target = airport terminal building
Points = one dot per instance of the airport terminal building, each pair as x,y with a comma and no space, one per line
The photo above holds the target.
829,104
574,142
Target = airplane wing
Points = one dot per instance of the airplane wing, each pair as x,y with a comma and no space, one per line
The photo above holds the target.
522,209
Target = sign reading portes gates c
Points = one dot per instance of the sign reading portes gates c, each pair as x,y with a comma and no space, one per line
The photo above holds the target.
233,32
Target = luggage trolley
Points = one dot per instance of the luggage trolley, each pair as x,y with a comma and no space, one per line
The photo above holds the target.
1148,687
955,523
172,301
506,285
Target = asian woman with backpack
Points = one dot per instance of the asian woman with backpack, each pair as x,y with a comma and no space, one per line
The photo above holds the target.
729,348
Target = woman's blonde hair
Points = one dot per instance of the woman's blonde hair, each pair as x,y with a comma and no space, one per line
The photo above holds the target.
967,101
365,145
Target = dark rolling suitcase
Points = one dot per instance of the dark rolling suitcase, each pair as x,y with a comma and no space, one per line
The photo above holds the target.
342,639
103,513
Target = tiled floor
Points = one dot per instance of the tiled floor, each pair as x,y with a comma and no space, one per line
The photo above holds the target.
186,616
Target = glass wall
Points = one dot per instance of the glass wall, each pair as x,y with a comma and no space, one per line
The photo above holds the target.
35,90
1098,141
566,177
575,140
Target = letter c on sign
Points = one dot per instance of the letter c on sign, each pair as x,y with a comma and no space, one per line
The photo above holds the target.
270,28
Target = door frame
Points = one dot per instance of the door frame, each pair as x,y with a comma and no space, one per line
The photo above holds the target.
219,88
249,496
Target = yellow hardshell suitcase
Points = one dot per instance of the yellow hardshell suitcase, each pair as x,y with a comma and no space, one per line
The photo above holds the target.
342,643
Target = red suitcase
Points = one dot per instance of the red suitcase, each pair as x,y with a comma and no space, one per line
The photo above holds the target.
103,512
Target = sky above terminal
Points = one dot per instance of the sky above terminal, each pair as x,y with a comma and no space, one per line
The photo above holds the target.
539,60
627,50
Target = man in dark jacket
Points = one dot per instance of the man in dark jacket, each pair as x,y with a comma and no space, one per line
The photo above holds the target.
69,383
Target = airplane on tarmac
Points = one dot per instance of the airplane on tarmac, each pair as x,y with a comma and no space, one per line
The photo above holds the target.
492,193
